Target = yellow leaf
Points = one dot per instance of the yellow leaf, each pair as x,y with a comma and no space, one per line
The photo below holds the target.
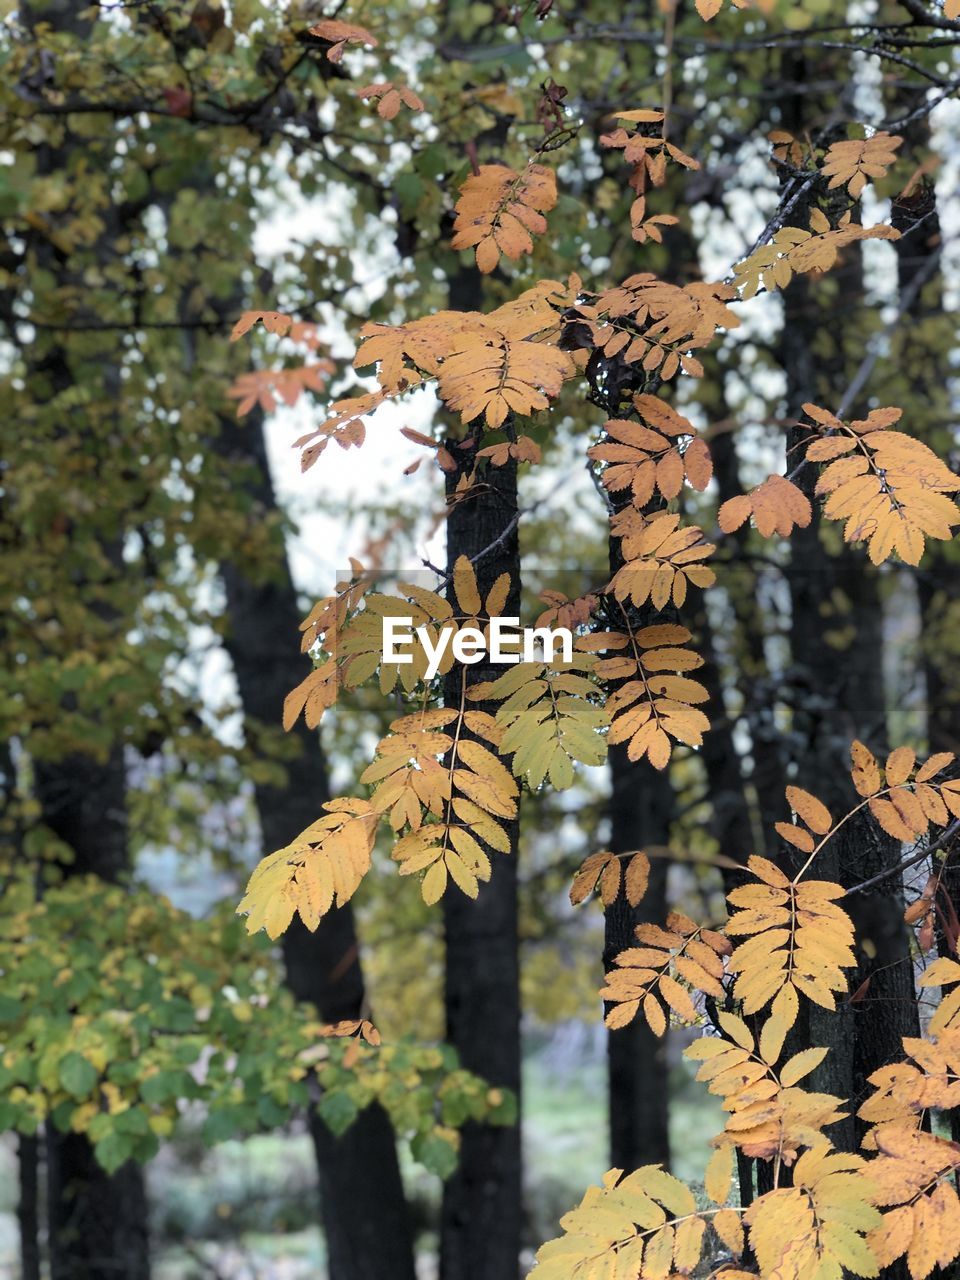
815,814
865,772
729,1228
850,164
800,1065
777,506
340,34
719,1175
495,376
637,878
322,866
499,211
899,766
796,836
434,883
465,587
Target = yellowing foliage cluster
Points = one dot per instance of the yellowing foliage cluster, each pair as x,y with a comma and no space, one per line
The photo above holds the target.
446,779
499,212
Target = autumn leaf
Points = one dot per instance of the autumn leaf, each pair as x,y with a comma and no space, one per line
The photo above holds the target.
889,488
645,1217
913,1173
654,700
795,250
499,211
270,387
648,322
852,163
662,558
495,376
777,506
551,719
390,97
647,456
798,942
769,1116
523,449
648,153
340,34
865,771
273,321
657,976
644,227
818,1225
320,869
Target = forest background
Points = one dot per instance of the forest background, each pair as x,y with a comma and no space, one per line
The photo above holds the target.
167,168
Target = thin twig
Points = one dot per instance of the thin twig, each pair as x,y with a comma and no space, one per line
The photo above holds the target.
940,843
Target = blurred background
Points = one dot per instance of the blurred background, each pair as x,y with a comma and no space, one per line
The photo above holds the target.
170,1104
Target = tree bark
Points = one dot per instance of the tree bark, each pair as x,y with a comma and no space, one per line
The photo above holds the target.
755,682
839,694
482,1201
641,806
920,282
97,1221
28,1206
365,1218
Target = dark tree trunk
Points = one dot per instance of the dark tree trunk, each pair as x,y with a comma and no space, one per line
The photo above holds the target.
839,694
757,687
97,1221
641,806
730,823
482,1201
920,281
28,1206
365,1216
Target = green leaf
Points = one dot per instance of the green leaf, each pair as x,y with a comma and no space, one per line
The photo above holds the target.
76,1074
10,1009
113,1150
221,1124
436,1152
338,1111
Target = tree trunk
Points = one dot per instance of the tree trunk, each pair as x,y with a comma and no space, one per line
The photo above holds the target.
365,1216
28,1145
730,823
920,283
641,806
755,683
482,1201
28,1206
839,694
97,1221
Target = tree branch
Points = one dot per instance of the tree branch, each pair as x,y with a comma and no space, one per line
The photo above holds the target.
941,842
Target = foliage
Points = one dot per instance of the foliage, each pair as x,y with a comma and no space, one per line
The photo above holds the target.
798,943
499,211
788,941
108,1030
574,328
